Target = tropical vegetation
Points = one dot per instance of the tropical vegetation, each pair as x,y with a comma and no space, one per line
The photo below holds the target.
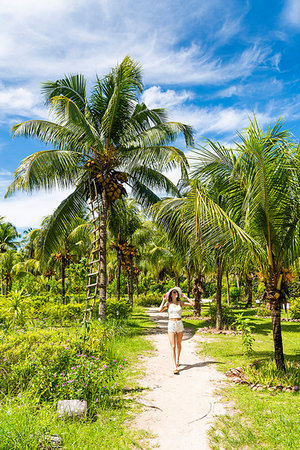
227,233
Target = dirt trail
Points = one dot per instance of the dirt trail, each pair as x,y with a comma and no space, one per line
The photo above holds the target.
179,408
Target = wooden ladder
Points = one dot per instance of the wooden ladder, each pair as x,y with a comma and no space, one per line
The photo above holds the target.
93,280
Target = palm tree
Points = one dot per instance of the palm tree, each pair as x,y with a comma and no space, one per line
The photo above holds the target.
101,144
8,236
263,197
123,221
69,246
8,265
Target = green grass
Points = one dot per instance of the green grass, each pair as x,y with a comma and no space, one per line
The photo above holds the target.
227,349
24,421
264,420
23,426
261,420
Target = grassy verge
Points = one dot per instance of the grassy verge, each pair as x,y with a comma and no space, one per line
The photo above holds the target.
24,421
259,421
265,420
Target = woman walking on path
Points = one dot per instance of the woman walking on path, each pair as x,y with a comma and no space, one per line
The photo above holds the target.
171,301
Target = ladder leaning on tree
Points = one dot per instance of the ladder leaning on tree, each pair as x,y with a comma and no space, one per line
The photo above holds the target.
93,282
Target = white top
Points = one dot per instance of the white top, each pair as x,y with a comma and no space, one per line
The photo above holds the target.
175,311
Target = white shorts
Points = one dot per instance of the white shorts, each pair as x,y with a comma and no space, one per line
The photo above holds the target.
175,326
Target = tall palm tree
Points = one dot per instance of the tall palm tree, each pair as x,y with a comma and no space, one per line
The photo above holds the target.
263,197
101,145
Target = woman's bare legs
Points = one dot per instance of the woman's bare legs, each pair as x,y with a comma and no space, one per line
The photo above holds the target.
173,347
178,340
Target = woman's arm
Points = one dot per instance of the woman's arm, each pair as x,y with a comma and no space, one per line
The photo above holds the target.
189,301
163,306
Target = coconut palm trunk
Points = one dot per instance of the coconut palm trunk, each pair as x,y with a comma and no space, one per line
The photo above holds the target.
249,284
130,281
227,288
102,244
219,294
137,285
274,299
197,293
188,283
237,280
119,261
63,280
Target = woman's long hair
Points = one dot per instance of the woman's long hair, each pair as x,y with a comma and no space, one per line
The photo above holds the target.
170,296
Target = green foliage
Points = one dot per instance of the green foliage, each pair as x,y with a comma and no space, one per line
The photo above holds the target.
228,316
209,288
45,361
263,311
261,289
235,294
117,309
148,300
112,287
294,311
243,324
266,373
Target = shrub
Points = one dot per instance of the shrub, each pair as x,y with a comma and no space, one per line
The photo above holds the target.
244,325
148,300
50,363
117,309
235,294
263,311
294,311
209,288
228,316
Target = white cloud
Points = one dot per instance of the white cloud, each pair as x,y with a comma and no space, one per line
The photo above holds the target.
210,122
25,211
155,97
5,173
291,13
20,101
44,40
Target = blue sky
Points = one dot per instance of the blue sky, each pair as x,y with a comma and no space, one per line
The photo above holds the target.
212,64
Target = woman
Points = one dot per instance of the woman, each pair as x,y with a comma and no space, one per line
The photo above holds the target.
171,301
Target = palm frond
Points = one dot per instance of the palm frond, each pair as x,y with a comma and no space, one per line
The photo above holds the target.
73,87
46,170
62,221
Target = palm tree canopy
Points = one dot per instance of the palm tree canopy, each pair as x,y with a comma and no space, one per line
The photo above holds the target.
260,186
8,236
109,139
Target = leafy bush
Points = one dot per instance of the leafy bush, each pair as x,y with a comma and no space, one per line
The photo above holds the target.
266,373
148,300
261,289
235,294
228,316
294,311
87,378
263,311
244,325
209,288
45,361
117,309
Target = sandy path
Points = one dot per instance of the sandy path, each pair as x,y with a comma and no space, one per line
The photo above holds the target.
179,408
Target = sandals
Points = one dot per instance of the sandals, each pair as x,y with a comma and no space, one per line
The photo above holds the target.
176,372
